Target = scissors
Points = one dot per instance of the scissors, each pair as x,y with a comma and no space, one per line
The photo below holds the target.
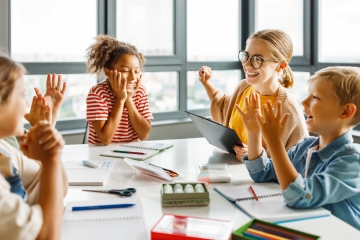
127,192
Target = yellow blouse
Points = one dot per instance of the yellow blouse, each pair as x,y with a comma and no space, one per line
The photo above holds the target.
236,122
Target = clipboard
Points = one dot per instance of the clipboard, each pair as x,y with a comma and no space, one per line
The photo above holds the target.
215,133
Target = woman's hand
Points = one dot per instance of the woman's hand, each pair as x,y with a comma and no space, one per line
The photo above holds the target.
240,151
118,85
205,74
133,89
272,124
252,108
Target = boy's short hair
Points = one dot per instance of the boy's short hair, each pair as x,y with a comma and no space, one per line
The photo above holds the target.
345,83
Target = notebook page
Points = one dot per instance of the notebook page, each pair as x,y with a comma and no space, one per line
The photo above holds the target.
274,209
147,153
117,223
235,192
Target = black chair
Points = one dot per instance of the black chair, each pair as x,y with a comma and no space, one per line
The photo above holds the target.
86,134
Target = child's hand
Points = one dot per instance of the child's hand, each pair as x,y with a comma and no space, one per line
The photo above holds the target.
42,142
240,151
272,124
55,92
131,92
118,85
252,108
39,110
205,74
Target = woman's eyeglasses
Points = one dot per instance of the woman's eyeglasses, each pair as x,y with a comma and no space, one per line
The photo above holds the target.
255,61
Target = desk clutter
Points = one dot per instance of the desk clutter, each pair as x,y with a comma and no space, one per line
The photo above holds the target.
214,173
257,229
184,194
177,227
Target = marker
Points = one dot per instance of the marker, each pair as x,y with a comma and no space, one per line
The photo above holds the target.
96,207
90,164
119,151
253,193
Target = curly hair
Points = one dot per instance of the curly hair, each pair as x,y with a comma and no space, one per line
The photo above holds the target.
281,49
106,52
10,72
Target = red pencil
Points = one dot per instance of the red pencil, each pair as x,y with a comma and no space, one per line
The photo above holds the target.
253,193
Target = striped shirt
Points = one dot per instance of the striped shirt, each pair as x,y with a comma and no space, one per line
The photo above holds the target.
99,103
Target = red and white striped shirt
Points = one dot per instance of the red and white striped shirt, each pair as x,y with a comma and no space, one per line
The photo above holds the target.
99,104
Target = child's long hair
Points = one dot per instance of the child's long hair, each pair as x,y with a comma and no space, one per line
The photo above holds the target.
106,52
281,49
10,71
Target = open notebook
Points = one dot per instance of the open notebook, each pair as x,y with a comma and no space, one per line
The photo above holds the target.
80,175
271,205
116,223
136,150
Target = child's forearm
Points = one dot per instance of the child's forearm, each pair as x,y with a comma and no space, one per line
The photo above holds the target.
254,145
107,131
64,179
285,170
141,126
51,198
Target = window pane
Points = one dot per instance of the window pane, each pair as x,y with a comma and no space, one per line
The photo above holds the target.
52,30
300,88
284,15
212,30
225,81
147,24
78,86
162,88
339,31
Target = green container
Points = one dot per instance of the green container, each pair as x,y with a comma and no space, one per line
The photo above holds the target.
184,199
239,233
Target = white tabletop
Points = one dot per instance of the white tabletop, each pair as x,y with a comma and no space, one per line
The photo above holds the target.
183,158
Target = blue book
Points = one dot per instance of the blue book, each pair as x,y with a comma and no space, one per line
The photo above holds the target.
270,205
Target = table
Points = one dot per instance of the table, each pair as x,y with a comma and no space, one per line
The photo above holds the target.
183,158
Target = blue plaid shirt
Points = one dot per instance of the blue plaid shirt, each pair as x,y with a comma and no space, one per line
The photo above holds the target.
333,177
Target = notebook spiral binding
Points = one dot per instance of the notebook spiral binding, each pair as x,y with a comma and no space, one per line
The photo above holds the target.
102,219
261,196
87,168
138,147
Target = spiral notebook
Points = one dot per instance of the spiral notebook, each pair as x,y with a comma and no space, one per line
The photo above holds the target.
271,205
80,175
137,150
116,223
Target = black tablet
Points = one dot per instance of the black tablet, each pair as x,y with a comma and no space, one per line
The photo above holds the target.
215,133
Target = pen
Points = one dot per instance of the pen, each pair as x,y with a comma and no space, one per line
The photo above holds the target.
164,169
119,151
81,208
253,193
90,164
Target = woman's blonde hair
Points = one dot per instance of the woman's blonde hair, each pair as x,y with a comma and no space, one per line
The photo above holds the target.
281,50
106,52
10,71
345,82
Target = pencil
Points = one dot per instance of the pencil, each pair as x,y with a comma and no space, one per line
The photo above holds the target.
264,234
253,193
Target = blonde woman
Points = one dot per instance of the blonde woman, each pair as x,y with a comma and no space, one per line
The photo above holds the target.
265,62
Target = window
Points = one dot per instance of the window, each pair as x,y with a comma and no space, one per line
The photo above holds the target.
197,97
300,87
339,23
284,15
208,37
147,24
48,30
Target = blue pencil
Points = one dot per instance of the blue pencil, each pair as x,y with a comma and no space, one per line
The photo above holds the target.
81,208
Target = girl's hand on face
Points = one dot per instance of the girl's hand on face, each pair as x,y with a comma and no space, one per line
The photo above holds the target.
42,142
272,124
39,110
205,74
252,108
118,85
240,151
131,92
